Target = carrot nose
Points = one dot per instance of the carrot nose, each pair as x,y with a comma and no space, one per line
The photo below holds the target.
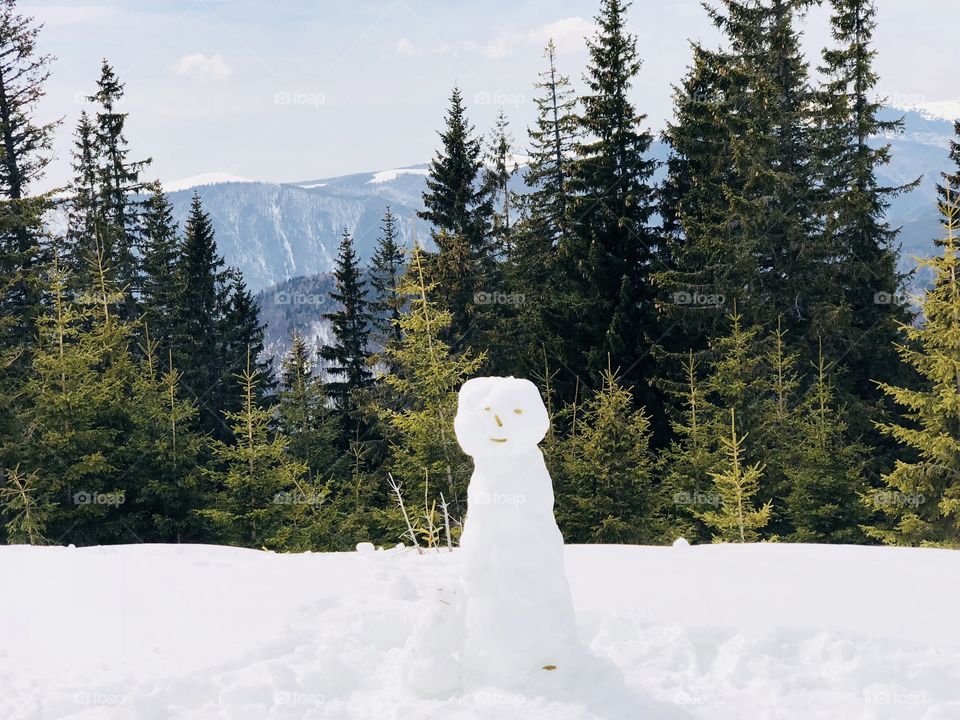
499,421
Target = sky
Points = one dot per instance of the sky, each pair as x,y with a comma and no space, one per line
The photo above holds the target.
292,90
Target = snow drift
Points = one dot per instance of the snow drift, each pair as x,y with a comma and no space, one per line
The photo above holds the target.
756,631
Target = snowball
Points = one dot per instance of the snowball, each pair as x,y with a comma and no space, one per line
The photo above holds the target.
365,547
681,542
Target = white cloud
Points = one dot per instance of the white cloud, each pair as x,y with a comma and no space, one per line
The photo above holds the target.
568,35
72,14
203,67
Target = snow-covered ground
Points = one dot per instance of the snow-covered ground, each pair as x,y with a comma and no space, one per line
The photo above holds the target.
755,632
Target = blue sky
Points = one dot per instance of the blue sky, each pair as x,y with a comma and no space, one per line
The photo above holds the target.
295,90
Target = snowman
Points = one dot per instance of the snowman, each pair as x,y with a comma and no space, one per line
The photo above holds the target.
517,614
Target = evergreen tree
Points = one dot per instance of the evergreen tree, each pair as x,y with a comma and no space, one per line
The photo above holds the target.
386,271
950,185
241,336
161,254
606,259
458,205
423,448
77,411
165,454
608,490
25,150
200,302
865,283
24,510
348,357
825,475
302,415
921,502
118,185
501,168
262,490
85,228
736,519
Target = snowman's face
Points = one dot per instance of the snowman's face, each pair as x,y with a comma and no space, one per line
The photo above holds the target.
500,416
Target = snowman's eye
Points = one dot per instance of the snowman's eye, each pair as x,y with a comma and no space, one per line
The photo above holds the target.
518,411
487,409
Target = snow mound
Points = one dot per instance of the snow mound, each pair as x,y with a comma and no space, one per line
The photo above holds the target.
718,632
212,178
390,175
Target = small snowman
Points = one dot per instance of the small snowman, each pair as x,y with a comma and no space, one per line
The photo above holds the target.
518,620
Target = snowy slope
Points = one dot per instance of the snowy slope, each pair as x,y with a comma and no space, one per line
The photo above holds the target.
756,632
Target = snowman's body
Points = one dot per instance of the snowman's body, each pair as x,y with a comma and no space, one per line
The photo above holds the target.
517,611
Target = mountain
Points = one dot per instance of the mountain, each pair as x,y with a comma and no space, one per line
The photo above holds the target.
277,231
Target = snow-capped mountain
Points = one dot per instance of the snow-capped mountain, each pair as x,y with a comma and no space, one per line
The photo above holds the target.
277,231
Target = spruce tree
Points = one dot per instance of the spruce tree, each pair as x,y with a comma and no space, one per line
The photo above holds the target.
161,254
826,474
166,453
241,335
302,415
423,448
119,185
26,150
607,492
920,504
24,510
737,519
865,281
501,168
386,270
261,490
347,358
605,260
200,301
458,205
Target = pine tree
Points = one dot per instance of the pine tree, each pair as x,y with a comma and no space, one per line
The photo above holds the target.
200,302
423,448
84,237
302,415
77,410
161,254
950,181
262,489
241,334
606,259
691,457
458,205
825,477
500,170
118,185
26,146
165,453
348,357
24,509
607,489
386,270
921,502
865,281
736,519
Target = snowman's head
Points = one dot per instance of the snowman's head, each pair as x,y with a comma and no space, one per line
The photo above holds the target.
500,416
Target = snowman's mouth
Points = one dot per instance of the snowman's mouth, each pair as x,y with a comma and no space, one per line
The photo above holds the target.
498,440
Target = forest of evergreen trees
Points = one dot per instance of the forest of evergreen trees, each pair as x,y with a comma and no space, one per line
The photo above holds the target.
726,354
